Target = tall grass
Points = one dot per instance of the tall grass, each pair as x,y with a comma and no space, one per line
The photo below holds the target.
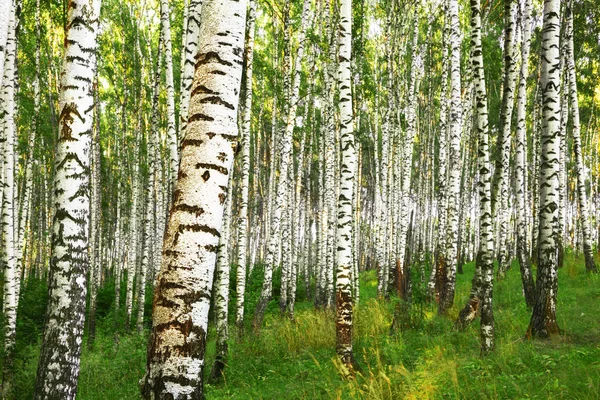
427,359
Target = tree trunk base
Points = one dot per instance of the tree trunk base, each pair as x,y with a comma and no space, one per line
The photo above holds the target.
468,314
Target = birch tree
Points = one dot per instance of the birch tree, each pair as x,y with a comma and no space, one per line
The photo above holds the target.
543,320
165,24
502,172
449,280
590,264
183,286
11,278
190,35
282,184
521,157
6,12
242,228
58,368
345,215
482,287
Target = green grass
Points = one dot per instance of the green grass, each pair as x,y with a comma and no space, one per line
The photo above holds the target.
296,360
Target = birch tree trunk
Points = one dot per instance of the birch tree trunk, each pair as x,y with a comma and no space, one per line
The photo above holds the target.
6,12
521,159
134,225
95,214
191,32
345,216
543,320
183,286
11,278
502,172
436,278
449,280
411,131
221,291
482,285
282,184
58,368
242,229
165,25
590,265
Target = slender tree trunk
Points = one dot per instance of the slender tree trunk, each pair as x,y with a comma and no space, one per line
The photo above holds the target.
165,24
521,159
590,265
242,230
502,173
543,320
221,292
482,286
11,278
190,48
345,216
6,12
282,187
408,145
183,286
58,368
95,214
449,280
436,279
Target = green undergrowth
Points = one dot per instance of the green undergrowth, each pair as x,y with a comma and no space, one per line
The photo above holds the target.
427,359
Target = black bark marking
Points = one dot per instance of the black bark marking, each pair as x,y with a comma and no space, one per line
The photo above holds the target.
214,167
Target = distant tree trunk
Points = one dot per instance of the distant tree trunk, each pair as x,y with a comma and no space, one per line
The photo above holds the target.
590,265
543,320
9,131
502,173
438,271
449,280
6,11
242,229
330,157
282,186
221,293
165,24
191,31
408,145
521,159
134,225
482,286
58,368
183,286
95,214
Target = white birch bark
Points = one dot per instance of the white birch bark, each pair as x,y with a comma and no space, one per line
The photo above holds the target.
242,229
282,186
521,158
408,145
190,48
11,278
482,286
449,280
543,320
58,368
183,286
438,271
221,292
165,24
500,203
6,12
345,215
590,265
134,225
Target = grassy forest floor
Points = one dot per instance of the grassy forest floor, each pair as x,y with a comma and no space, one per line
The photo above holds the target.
296,360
